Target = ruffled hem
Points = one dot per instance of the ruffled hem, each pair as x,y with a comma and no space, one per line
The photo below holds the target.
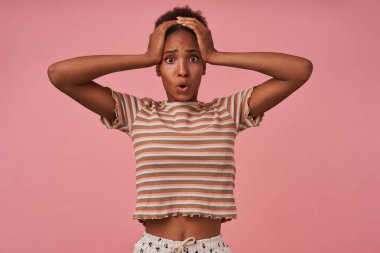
116,109
223,219
255,122
106,121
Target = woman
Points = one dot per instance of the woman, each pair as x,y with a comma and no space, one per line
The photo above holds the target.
184,147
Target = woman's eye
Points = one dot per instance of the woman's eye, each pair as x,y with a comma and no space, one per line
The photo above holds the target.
168,58
196,57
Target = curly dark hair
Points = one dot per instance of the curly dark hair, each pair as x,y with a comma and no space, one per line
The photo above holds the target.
185,11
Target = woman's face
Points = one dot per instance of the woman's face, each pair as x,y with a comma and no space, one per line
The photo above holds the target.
181,67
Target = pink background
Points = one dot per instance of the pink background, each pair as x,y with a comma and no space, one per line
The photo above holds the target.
307,178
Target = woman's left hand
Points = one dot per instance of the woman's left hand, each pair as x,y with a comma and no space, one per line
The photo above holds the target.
204,38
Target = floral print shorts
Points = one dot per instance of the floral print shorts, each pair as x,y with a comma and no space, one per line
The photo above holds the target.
149,243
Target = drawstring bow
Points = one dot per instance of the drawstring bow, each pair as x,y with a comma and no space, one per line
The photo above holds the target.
181,248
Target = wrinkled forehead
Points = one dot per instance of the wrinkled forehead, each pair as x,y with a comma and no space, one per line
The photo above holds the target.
181,40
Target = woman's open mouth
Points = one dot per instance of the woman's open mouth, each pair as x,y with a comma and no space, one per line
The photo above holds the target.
183,88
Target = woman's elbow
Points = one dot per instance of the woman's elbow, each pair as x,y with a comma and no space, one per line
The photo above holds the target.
307,70
54,74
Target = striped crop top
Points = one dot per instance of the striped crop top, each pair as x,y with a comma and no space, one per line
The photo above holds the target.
184,153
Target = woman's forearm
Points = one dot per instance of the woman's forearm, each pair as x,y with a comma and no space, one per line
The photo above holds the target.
278,65
82,69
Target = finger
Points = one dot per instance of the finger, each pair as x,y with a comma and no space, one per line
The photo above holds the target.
170,22
188,24
193,26
199,23
166,24
193,23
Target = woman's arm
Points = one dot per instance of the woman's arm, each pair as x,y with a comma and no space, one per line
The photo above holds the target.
80,70
289,72
74,77
281,66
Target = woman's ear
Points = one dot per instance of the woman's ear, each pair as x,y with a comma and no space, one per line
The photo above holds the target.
158,70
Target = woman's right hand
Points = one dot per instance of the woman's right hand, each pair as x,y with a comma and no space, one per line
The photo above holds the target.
157,41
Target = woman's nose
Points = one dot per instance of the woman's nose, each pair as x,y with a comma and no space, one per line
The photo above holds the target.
183,70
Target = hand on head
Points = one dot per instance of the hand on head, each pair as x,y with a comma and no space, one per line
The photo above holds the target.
203,34
157,40
204,38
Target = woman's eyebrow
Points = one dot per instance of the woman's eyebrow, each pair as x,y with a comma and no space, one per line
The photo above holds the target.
176,50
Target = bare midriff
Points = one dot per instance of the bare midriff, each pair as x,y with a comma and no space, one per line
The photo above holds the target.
181,227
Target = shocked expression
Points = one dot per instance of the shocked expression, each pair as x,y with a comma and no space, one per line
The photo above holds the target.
181,68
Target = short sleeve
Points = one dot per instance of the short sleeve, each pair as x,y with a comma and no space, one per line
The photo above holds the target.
238,106
126,108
